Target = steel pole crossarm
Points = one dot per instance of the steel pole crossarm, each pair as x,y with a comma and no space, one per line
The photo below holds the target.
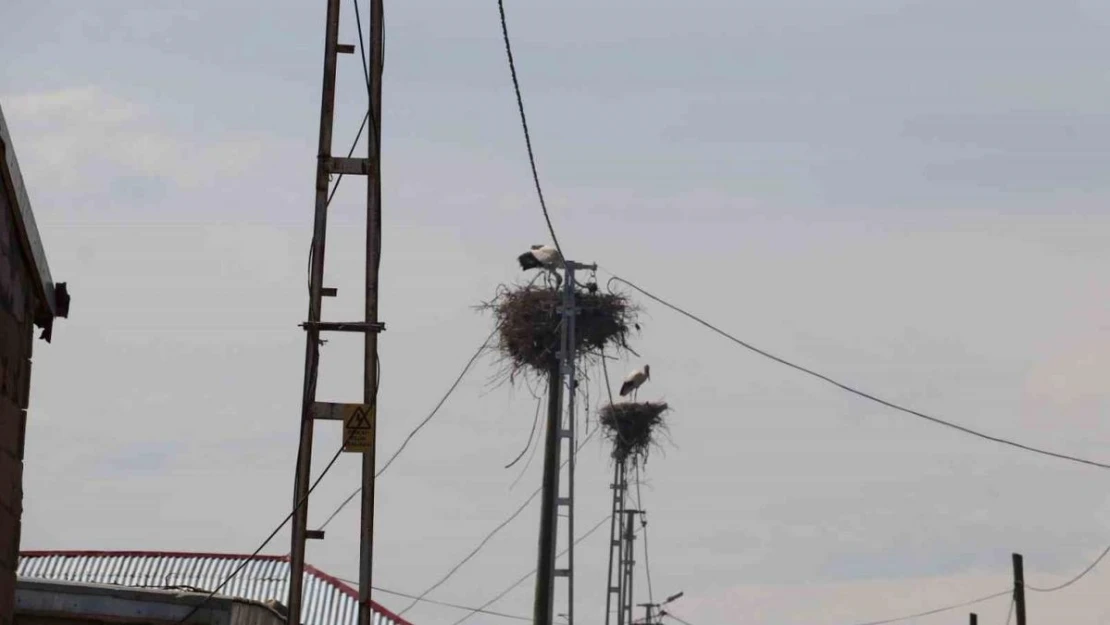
573,266
344,326
348,166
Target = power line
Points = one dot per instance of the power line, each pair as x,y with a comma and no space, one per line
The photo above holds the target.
411,434
859,393
481,545
533,572
473,552
442,603
274,533
1071,581
680,620
528,445
947,608
524,124
531,456
1010,614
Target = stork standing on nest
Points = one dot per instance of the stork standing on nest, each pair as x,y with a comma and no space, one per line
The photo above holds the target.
541,257
635,380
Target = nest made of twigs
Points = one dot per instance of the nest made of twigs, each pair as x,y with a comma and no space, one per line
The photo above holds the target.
530,331
633,428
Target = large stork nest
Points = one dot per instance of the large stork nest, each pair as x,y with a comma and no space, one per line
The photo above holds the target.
530,331
633,428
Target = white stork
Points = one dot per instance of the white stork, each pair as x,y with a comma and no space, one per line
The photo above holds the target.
635,380
541,257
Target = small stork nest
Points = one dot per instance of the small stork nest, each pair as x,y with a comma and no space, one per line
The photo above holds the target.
632,428
529,325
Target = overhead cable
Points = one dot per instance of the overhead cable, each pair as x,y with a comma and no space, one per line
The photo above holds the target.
859,393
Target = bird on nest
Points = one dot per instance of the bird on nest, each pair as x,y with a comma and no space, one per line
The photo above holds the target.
541,257
634,381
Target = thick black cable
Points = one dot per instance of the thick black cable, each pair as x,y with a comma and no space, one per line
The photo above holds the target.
445,604
533,572
488,537
274,533
524,124
859,393
1071,581
442,400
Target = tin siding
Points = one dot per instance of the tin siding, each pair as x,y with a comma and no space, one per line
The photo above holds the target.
325,601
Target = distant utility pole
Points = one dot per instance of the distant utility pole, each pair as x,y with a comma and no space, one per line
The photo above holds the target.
653,612
359,419
560,429
1019,589
618,546
974,619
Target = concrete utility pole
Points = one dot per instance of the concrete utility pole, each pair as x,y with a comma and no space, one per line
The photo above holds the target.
559,430
373,263
1019,589
359,420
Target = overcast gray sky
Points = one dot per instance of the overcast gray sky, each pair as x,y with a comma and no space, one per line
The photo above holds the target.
910,196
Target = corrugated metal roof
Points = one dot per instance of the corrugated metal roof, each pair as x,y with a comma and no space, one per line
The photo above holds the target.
327,601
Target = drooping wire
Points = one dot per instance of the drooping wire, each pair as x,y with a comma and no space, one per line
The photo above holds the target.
535,423
488,537
442,400
485,345
1010,614
1075,579
445,604
857,392
947,608
524,125
531,456
533,572
269,538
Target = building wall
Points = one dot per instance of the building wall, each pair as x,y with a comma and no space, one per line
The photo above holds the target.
17,304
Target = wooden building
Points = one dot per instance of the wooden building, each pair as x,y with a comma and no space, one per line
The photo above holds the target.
28,298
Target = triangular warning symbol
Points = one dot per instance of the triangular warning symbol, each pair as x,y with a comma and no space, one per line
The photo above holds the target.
359,420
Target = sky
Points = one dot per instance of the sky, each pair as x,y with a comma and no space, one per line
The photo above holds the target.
909,196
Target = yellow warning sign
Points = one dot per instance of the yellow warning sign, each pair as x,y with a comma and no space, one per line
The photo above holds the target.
358,428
